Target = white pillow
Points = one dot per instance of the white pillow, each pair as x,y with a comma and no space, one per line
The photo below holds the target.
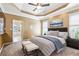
63,35
53,33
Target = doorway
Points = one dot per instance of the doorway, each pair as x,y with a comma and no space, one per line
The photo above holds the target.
17,30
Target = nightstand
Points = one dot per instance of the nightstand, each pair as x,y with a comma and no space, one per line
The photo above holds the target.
74,43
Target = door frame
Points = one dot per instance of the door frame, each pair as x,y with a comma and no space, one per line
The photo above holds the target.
12,28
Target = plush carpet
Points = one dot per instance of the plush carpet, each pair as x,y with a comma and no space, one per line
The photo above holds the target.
15,49
68,52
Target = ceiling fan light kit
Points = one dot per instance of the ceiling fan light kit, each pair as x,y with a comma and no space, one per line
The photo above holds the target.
38,5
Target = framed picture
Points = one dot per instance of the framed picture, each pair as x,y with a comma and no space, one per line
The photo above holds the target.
1,26
56,23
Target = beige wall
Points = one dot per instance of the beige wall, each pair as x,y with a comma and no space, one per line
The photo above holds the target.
0,42
7,36
36,28
64,17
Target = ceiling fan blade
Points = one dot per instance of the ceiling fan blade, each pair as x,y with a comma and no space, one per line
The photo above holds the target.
34,9
31,4
45,5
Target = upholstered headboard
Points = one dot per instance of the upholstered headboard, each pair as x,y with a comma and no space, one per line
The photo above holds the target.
60,32
65,29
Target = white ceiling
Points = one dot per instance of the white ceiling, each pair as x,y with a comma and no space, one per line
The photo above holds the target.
29,8
12,9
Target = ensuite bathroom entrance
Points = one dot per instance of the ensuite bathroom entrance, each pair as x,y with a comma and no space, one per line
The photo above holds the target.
16,30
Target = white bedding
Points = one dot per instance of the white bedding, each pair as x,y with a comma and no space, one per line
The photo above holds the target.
46,46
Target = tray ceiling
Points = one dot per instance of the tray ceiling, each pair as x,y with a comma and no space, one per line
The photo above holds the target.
26,10
42,11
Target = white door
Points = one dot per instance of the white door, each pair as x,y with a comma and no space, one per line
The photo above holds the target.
17,30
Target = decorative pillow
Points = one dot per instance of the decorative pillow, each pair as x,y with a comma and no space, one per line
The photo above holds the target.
63,35
53,33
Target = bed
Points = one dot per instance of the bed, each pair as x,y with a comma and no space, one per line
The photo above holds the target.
48,47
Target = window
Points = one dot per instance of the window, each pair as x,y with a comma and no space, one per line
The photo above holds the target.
74,26
1,26
45,27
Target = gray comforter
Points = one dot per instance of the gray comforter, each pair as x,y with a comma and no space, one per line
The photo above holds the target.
57,43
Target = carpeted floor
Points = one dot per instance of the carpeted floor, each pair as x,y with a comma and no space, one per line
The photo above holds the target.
15,49
68,52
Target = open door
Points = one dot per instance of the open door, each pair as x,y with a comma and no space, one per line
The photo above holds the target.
17,30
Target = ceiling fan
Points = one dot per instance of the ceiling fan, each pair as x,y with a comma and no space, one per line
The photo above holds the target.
39,5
